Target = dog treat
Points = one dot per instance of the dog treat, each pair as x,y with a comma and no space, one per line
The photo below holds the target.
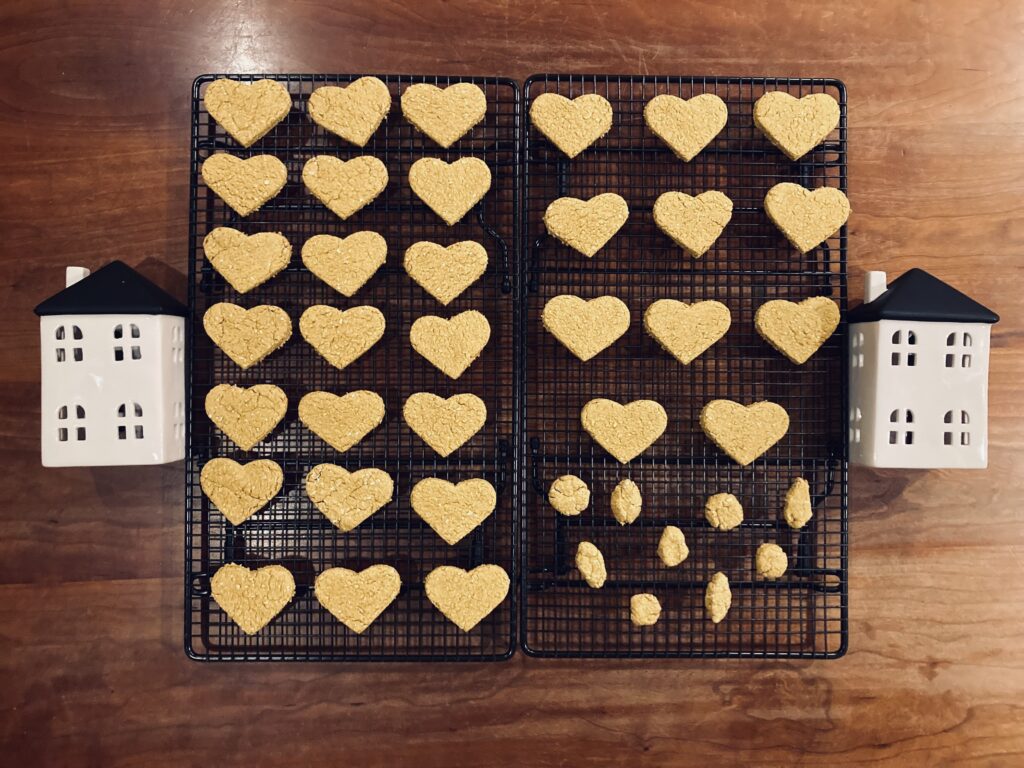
357,598
644,609
450,189
341,337
694,223
586,327
625,431
806,217
586,225
251,598
247,111
451,345
771,561
247,184
686,331
247,335
744,432
345,263
672,547
453,510
344,186
246,261
348,498
352,112
626,502
796,126
686,125
443,272
569,495
246,414
590,563
723,511
240,490
718,597
571,125
341,421
797,329
797,511
466,597
445,424
444,115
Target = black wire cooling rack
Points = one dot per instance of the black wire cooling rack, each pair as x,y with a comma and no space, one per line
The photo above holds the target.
805,613
291,531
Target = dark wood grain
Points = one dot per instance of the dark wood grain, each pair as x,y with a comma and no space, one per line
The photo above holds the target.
93,166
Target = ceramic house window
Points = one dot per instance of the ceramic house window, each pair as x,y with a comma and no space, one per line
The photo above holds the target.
129,417
71,423
956,431
901,427
134,349
65,351
904,343
857,350
958,350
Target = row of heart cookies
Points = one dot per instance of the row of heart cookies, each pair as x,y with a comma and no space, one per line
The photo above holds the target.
253,597
248,111
796,126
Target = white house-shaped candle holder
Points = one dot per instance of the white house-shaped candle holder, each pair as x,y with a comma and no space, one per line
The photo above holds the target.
918,375
113,371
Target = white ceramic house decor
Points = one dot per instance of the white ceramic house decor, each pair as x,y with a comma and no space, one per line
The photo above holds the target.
918,375
113,371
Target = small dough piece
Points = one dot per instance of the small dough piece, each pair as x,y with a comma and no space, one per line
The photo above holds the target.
251,598
341,337
686,125
453,510
744,432
771,561
445,424
626,502
590,563
246,261
341,421
348,498
797,511
352,112
451,345
797,329
686,331
247,336
569,495
625,431
345,263
244,185
723,511
247,111
694,223
796,126
586,327
444,115
806,217
443,272
586,225
718,597
672,547
450,189
644,609
345,186
467,597
246,414
240,490
572,125
357,598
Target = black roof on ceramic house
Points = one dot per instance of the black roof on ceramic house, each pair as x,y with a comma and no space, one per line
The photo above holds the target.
917,295
112,289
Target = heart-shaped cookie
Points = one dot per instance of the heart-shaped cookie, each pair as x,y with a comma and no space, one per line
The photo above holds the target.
586,225
345,263
625,431
252,597
246,414
240,490
348,498
695,223
466,597
806,217
744,432
352,112
443,272
246,261
341,337
453,511
685,331
571,125
586,327
247,111
797,329
341,421
796,126
451,345
344,186
247,335
445,424
247,184
357,598
450,189
444,115
686,125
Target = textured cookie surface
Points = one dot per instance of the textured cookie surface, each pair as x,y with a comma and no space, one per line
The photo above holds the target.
686,125
590,563
247,111
586,225
723,511
672,547
247,335
453,510
686,331
348,498
466,597
744,432
806,217
626,502
625,431
694,223
357,598
797,329
344,186
644,609
770,561
246,261
445,424
246,414
252,597
718,597
797,510
451,345
585,327
341,421
247,184
572,125
796,126
445,115
443,272
240,490
345,263
341,337
450,189
568,495
352,112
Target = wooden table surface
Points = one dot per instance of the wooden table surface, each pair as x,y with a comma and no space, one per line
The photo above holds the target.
94,110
